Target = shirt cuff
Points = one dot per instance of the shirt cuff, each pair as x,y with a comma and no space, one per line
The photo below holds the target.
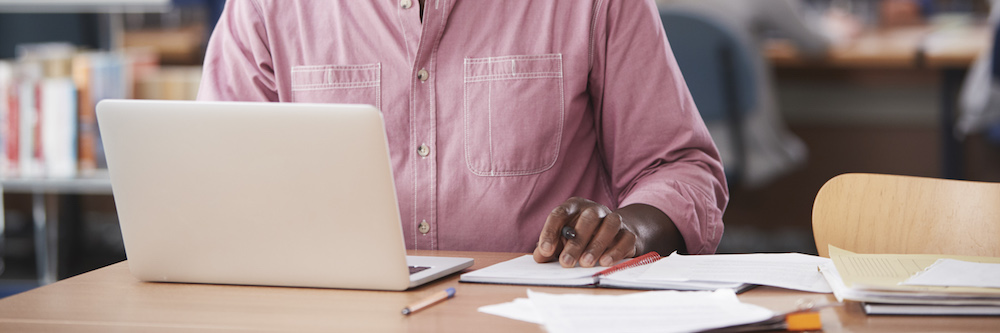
694,213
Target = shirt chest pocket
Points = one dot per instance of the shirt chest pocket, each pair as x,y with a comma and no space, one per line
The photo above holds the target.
514,114
347,84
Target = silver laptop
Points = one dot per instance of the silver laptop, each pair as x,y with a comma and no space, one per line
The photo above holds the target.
277,194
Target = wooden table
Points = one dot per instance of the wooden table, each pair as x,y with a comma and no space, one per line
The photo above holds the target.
111,299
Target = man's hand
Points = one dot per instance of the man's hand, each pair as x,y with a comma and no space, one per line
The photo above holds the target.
601,236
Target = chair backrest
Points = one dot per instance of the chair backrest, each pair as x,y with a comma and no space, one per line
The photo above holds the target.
713,59
873,213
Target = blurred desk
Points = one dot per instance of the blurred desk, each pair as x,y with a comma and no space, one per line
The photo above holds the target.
111,299
45,212
896,48
955,48
949,50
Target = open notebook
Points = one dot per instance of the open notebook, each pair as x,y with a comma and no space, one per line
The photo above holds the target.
626,275
274,194
677,272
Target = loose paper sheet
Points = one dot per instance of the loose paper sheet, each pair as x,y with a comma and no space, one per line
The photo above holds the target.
520,309
957,273
654,311
786,270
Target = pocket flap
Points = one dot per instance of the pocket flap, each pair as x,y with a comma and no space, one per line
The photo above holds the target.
513,67
335,76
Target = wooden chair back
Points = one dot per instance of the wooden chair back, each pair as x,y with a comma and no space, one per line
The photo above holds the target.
875,213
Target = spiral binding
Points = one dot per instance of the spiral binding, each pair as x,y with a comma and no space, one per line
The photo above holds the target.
647,258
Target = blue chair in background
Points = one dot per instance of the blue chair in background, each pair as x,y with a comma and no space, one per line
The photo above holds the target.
717,68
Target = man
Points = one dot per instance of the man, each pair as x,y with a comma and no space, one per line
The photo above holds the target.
496,113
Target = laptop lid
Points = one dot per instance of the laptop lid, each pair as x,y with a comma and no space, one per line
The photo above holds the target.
278,194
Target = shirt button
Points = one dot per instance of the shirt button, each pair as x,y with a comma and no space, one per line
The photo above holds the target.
423,150
423,75
424,227
405,4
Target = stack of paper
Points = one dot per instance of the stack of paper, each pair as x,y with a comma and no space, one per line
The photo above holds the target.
654,311
916,283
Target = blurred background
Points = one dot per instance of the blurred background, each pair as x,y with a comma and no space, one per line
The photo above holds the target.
794,92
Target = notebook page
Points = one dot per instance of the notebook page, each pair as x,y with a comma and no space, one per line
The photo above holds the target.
785,270
524,270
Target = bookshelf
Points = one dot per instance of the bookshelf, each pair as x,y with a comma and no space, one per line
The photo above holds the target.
46,194
83,6
48,197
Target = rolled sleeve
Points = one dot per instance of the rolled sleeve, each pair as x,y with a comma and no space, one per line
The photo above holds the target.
238,64
656,147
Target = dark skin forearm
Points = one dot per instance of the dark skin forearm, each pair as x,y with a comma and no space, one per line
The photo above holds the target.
653,229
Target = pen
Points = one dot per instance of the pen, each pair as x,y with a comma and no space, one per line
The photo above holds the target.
433,299
568,232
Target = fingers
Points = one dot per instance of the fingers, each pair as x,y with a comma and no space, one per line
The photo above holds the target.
604,239
549,243
624,247
587,225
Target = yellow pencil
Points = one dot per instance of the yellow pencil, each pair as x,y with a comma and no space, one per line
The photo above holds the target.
433,299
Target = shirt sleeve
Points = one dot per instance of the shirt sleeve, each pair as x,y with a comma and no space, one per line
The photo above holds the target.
656,148
238,65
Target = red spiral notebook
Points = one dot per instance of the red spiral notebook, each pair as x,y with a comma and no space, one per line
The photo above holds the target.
626,275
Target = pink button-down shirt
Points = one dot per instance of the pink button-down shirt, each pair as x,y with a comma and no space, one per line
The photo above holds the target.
496,111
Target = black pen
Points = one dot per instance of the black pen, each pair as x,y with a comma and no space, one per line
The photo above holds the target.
568,232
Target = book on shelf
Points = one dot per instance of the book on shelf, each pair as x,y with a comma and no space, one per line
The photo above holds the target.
880,282
29,157
108,80
86,117
57,126
9,123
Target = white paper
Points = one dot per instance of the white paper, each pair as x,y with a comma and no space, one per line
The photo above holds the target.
520,309
786,270
631,278
525,269
957,273
832,277
653,311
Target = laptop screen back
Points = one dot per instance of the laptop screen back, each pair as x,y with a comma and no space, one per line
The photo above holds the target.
254,193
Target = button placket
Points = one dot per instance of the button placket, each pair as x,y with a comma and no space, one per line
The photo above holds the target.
423,118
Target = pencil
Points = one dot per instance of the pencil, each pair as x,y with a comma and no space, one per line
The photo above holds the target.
431,300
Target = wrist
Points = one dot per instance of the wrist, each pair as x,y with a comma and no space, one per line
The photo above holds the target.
654,230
